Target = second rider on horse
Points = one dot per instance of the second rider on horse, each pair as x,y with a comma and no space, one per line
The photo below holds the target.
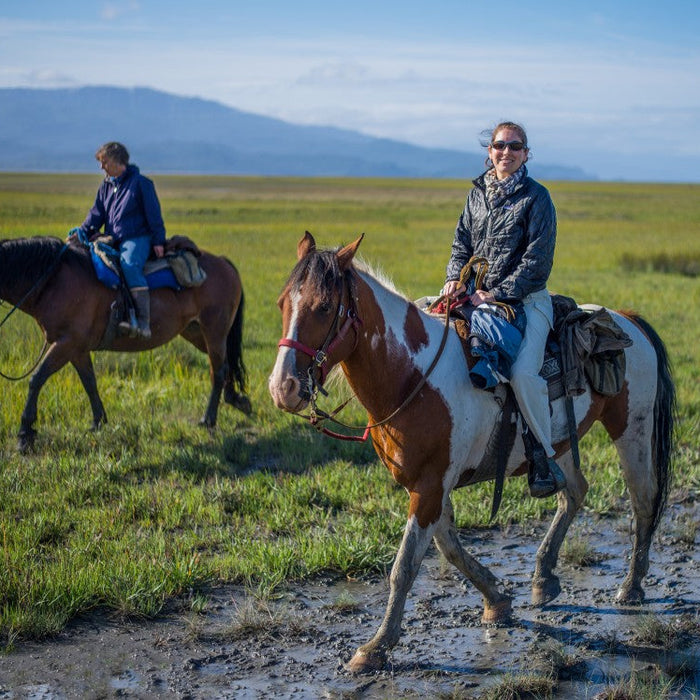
127,207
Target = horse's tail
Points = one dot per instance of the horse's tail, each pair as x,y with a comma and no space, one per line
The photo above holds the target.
236,376
664,418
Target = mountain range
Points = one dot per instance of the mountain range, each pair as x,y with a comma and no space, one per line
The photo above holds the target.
58,130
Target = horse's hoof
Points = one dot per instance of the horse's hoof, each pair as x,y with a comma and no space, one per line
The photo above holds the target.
242,403
366,662
97,424
498,612
630,595
545,591
239,401
25,441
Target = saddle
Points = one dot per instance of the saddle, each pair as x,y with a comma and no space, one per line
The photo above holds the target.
585,347
178,268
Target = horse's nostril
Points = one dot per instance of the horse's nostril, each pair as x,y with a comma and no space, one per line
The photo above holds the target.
291,386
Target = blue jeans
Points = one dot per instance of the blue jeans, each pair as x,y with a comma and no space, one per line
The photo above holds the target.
133,253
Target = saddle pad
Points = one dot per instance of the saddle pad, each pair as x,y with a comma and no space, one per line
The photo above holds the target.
105,260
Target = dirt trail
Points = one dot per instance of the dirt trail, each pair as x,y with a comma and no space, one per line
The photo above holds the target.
298,646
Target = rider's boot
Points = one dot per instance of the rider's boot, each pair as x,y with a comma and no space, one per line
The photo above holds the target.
142,301
139,324
544,476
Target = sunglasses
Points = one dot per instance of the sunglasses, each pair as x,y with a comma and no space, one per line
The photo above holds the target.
513,145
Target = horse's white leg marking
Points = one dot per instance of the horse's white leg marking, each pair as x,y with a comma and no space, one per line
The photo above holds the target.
404,571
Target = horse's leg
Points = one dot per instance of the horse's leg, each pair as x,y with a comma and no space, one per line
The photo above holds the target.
217,376
635,452
196,334
86,372
545,584
497,605
372,656
55,359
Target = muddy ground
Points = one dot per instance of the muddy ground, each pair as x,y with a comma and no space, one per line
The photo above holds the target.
297,645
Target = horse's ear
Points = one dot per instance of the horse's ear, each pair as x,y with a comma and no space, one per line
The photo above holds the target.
345,255
305,246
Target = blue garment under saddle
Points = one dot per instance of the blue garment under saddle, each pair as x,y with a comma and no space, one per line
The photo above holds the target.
105,260
495,340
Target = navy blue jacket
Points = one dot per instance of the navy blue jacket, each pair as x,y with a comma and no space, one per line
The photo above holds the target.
127,207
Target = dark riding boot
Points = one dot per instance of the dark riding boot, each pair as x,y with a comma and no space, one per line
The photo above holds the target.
139,324
142,301
544,476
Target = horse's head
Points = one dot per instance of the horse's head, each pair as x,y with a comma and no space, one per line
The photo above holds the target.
319,322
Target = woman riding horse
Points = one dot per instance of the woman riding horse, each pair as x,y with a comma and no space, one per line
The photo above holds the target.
127,206
509,220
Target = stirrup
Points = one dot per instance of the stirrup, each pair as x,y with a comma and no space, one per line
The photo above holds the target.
128,330
542,486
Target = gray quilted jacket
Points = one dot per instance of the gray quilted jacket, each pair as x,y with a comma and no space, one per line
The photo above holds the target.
516,236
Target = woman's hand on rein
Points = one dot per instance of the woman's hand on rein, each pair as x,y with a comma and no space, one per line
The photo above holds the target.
453,289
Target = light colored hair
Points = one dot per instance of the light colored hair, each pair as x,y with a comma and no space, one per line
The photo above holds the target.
113,150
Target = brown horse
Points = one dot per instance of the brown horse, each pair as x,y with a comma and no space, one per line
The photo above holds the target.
56,284
435,439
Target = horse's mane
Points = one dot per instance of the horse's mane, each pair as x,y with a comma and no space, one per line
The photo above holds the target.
320,268
23,259
378,274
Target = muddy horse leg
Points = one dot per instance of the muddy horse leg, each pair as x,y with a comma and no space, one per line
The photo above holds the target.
86,372
54,360
640,477
497,604
545,584
372,656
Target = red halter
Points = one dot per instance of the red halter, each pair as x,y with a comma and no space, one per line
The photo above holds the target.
320,356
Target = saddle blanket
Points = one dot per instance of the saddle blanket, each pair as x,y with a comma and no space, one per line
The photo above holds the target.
177,269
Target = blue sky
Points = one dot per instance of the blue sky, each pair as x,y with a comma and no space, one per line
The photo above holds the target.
611,87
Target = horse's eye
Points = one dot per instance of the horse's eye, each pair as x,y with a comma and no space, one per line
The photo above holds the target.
324,308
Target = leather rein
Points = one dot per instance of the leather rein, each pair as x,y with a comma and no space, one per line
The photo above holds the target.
336,334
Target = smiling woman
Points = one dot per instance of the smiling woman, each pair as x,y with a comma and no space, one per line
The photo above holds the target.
509,220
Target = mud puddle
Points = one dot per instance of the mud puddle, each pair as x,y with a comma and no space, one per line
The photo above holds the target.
297,644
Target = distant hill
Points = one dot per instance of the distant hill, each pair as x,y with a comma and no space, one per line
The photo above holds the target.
58,130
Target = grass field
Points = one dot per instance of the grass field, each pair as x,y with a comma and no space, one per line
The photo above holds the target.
153,506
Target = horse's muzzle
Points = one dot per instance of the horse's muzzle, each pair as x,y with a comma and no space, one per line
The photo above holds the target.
289,392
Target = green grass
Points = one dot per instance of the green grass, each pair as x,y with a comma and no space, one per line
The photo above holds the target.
153,506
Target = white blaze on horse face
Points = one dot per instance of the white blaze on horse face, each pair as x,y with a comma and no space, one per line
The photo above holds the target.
283,383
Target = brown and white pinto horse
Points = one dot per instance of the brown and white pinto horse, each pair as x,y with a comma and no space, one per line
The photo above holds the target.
436,442
56,284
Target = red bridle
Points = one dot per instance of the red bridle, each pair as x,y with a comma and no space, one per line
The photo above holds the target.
320,356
